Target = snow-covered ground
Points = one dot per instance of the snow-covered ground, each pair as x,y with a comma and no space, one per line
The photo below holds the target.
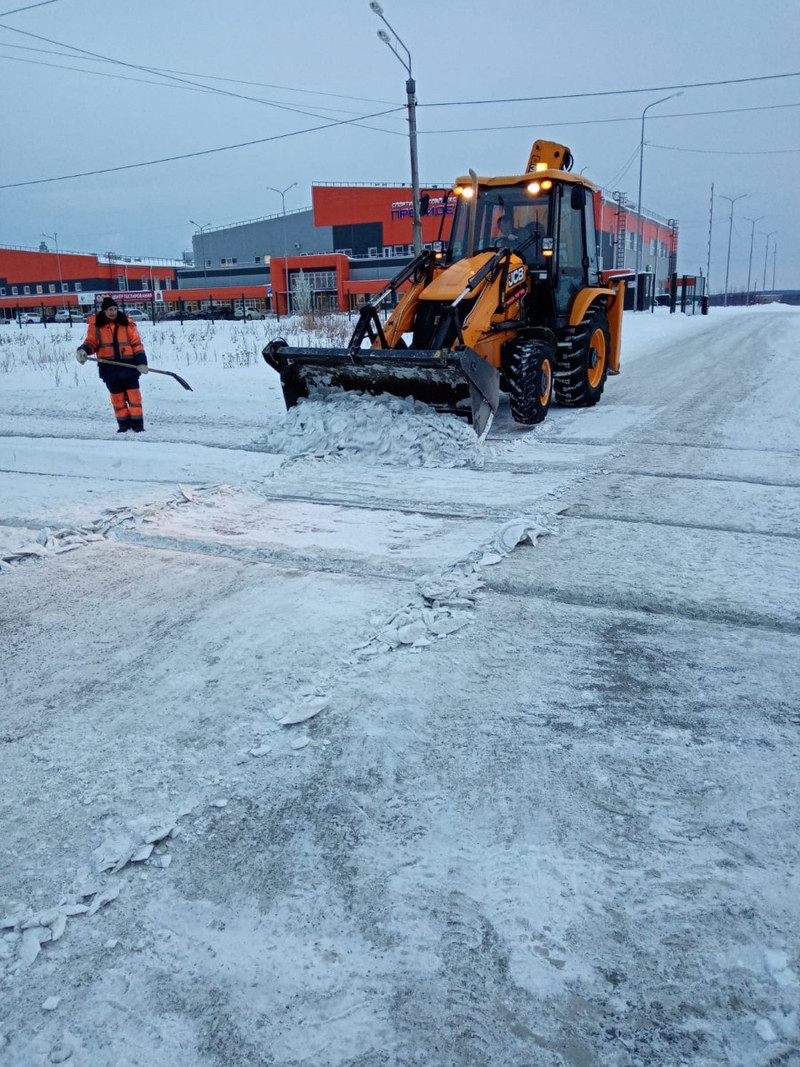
335,737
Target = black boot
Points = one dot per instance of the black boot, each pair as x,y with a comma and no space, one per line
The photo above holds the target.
123,425
137,425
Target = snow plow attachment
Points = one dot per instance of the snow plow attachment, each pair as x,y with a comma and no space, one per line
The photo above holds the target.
457,381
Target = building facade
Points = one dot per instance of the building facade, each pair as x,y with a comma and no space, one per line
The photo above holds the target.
341,250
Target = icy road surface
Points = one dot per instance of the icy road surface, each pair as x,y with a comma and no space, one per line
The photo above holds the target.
335,738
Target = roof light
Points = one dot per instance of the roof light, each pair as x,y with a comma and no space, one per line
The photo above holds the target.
547,184
541,166
467,192
534,188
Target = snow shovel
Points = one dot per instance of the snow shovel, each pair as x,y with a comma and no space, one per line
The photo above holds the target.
152,370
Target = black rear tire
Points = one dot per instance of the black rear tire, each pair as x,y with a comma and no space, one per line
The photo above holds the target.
580,376
529,381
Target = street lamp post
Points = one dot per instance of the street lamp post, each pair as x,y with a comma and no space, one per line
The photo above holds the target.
774,262
639,221
282,194
731,200
54,238
750,261
411,94
202,230
766,253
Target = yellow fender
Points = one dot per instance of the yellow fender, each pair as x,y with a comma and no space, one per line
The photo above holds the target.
615,301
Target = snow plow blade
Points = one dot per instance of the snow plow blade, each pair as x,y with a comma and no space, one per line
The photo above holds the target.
461,382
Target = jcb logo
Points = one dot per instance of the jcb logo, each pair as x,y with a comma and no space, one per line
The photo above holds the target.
516,276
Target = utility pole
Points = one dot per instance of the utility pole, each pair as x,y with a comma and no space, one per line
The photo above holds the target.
282,194
732,200
54,238
766,253
202,230
639,221
750,261
708,257
411,96
774,261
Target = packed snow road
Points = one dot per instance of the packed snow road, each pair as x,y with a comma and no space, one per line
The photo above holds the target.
355,742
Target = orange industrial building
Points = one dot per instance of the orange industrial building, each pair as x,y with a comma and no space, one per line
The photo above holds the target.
345,248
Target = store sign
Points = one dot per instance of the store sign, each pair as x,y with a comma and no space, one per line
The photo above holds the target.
128,296
404,209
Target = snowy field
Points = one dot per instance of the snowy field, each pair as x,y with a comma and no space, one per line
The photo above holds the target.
337,738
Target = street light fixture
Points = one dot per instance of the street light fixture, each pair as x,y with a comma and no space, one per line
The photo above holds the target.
732,200
640,224
202,230
411,91
282,194
54,238
750,261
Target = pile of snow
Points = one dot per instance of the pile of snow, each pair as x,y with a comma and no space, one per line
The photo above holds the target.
383,429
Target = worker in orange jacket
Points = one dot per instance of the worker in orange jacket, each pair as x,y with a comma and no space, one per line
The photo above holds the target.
112,336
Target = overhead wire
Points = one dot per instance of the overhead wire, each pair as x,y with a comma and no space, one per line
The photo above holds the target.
183,82
190,155
194,74
28,7
172,77
199,88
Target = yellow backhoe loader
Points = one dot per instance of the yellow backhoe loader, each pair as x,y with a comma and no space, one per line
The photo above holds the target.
514,302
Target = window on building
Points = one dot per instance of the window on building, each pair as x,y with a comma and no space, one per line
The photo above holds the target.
15,290
51,287
257,259
78,287
39,289
121,283
26,290
65,287
372,252
2,290
145,282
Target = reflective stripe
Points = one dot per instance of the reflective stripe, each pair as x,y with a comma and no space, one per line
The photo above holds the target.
120,405
134,402
101,341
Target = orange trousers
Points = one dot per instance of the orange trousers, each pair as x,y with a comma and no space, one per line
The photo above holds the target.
127,407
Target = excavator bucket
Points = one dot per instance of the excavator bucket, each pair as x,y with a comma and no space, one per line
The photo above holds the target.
457,381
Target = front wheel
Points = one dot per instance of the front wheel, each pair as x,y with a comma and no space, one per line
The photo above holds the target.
529,381
580,376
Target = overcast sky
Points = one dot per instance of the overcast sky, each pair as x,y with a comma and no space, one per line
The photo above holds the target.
246,71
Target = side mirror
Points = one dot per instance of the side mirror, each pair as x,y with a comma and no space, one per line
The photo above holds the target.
578,198
424,204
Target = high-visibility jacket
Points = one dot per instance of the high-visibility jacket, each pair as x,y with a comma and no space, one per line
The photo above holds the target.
118,340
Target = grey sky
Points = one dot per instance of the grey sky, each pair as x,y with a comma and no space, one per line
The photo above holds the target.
58,121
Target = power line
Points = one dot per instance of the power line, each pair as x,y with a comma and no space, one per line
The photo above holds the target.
610,92
194,74
172,77
191,155
16,10
722,152
187,88
600,122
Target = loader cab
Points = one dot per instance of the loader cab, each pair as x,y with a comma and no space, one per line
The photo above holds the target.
576,263
557,212
505,216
